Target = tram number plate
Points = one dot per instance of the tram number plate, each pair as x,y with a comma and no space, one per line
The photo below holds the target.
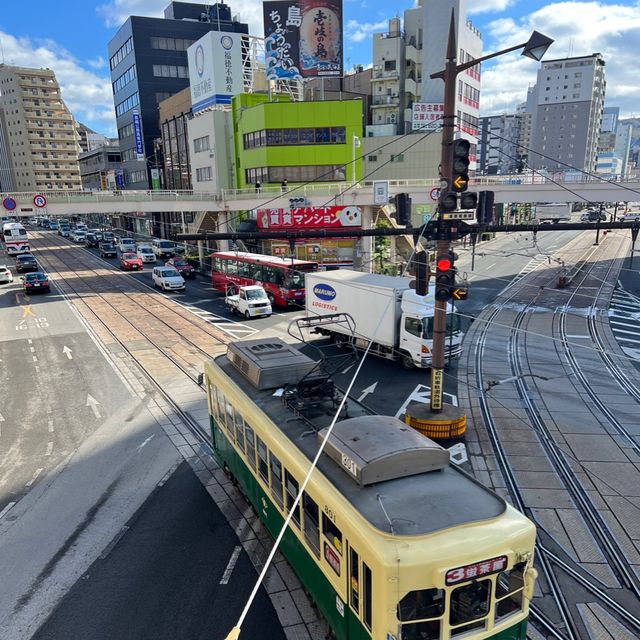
350,465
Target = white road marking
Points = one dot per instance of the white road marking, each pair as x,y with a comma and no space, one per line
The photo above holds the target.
367,391
578,336
6,509
67,352
50,426
93,403
49,449
422,393
36,473
37,369
35,358
232,563
29,341
32,349
139,447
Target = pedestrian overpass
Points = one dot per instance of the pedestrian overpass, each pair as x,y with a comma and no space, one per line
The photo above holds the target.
507,189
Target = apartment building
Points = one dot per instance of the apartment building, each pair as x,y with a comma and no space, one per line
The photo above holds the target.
38,139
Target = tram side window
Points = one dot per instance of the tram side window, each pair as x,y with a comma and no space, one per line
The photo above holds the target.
510,591
255,271
220,406
272,275
240,431
276,478
469,602
230,427
217,265
263,465
311,523
354,581
291,489
367,596
213,401
232,267
333,534
251,445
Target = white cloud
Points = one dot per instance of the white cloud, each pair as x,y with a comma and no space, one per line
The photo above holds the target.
87,95
484,6
578,28
116,12
97,63
358,31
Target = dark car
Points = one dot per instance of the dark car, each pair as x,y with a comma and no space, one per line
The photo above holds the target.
108,250
26,262
182,267
90,240
36,281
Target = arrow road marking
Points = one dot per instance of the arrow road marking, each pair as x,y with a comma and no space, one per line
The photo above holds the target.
67,352
367,391
93,403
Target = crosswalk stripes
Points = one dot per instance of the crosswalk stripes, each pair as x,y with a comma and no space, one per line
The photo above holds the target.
234,329
532,265
624,319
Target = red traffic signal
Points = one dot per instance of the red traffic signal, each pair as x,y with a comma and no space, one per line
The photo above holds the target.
445,276
443,263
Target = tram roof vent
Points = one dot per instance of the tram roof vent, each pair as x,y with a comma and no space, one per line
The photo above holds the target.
373,449
269,363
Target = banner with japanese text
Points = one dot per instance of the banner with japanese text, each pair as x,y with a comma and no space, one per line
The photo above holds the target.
309,218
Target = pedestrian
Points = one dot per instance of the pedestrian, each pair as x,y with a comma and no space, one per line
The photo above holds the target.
258,186
284,185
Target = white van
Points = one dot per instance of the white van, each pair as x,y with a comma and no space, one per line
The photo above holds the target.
168,279
163,248
145,253
127,245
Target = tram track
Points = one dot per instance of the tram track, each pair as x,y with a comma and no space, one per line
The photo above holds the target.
545,557
106,325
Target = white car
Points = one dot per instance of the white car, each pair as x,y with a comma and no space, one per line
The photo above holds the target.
631,216
78,236
5,274
127,245
168,279
145,253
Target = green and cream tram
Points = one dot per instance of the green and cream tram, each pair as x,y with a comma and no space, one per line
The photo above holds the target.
391,540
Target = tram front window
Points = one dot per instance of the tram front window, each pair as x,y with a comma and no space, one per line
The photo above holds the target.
470,602
509,591
417,605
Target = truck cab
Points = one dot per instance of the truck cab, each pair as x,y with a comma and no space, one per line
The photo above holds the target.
416,330
251,301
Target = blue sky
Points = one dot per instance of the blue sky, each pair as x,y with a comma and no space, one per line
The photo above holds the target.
71,38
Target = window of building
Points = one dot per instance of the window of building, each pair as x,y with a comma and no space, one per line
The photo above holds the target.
170,71
171,44
204,174
120,54
372,158
201,144
389,65
128,104
137,176
124,79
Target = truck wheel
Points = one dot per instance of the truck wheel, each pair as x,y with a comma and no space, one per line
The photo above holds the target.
247,315
406,361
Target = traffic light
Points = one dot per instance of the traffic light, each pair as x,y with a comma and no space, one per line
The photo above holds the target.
448,202
460,164
469,200
421,260
445,276
484,210
403,209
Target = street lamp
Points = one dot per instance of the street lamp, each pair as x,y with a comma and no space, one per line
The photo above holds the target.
355,144
534,48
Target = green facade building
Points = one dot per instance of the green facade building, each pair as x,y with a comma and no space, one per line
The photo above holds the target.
301,142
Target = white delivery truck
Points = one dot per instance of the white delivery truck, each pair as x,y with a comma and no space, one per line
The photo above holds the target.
385,310
552,212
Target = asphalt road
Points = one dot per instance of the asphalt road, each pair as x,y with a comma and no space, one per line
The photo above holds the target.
162,579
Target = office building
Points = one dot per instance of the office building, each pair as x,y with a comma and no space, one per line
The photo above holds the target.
38,139
148,62
100,168
500,149
566,106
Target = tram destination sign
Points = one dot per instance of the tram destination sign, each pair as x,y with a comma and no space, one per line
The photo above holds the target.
476,570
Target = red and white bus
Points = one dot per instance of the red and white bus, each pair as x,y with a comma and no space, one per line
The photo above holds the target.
15,239
281,278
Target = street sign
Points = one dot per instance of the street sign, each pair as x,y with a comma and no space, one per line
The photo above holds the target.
9,204
40,201
434,194
380,191
458,215
460,293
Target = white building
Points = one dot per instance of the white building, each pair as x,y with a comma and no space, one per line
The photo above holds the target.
38,139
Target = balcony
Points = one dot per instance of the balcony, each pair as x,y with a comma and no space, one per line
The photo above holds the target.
412,53
386,101
411,86
379,74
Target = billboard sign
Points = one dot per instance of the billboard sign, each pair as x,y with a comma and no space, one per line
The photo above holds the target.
303,38
427,116
215,69
309,218
380,191
137,134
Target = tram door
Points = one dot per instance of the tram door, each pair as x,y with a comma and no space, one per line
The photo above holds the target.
358,594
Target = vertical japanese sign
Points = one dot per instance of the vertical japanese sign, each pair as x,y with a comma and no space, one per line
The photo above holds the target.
137,134
155,179
303,38
215,69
